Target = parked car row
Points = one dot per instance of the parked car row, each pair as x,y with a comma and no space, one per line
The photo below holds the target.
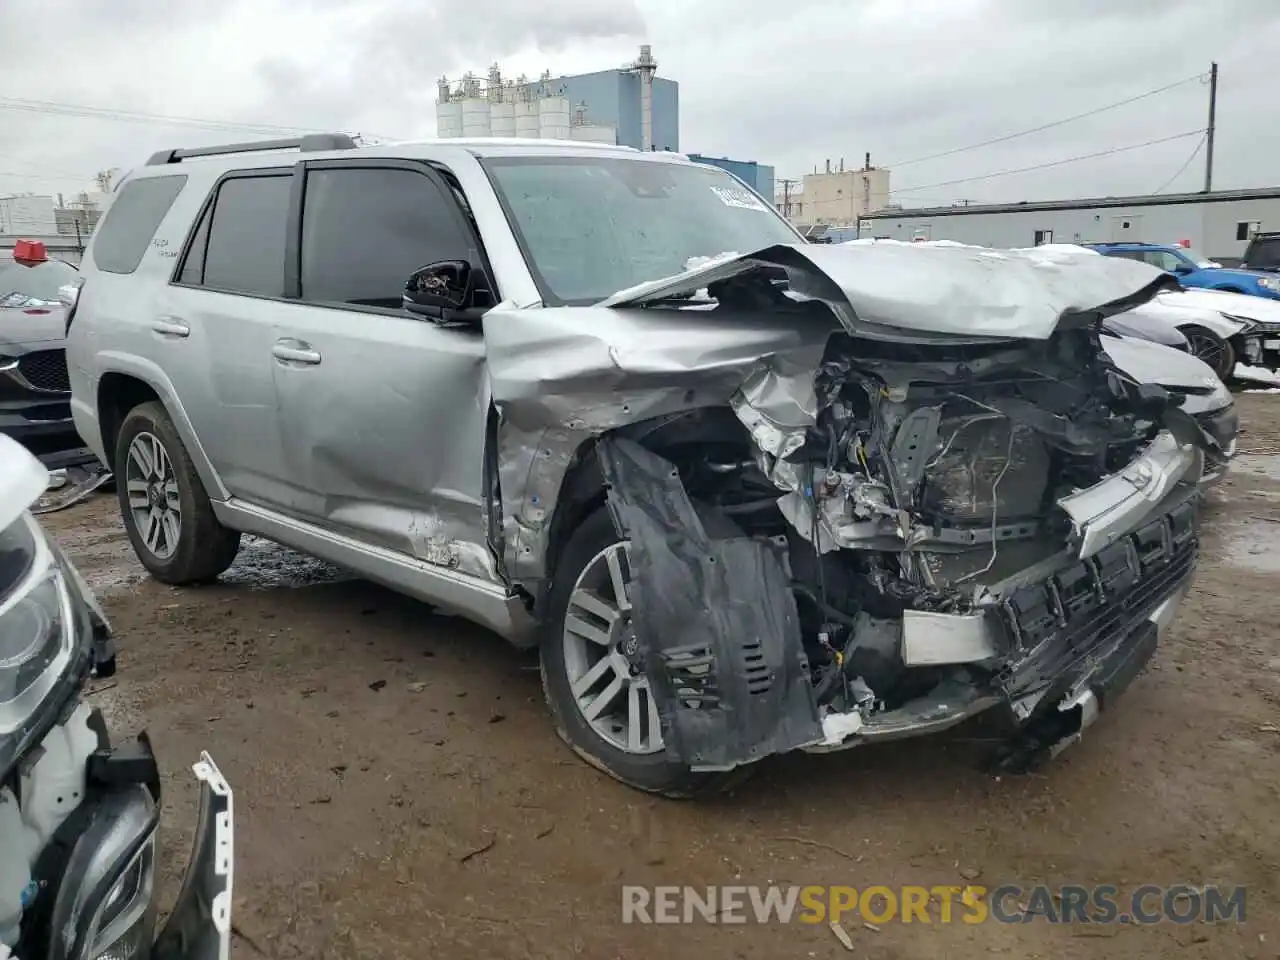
1228,315
35,393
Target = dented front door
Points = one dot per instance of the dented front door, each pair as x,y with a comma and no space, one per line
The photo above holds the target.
382,413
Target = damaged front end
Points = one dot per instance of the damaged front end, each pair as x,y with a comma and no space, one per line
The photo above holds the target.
960,522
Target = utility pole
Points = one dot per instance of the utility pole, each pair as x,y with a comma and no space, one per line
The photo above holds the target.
786,197
1208,143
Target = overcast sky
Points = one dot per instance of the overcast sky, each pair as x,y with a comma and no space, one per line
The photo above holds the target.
791,84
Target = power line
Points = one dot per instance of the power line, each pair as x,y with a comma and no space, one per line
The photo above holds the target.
135,116
1049,126
43,176
88,112
1051,163
1199,146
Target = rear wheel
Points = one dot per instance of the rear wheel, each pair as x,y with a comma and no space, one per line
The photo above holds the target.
593,674
1212,349
164,505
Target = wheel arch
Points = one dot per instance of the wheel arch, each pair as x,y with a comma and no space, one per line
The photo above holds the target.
582,488
127,381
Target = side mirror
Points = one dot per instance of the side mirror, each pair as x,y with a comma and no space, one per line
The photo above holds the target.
1183,269
444,291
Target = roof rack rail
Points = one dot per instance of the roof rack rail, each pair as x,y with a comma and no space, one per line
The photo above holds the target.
310,143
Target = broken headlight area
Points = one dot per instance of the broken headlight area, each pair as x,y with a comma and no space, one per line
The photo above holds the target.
951,527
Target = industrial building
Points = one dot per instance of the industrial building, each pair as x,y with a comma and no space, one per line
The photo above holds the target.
834,196
758,176
1217,224
64,227
630,106
27,213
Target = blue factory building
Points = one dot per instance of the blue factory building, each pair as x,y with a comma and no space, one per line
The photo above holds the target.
614,97
758,176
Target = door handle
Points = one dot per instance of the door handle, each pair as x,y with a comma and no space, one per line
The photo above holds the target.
295,351
170,327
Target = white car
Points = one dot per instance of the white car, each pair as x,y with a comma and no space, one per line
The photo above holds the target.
1243,329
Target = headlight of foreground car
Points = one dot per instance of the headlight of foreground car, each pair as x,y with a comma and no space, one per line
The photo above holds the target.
37,632
1246,325
1271,284
105,909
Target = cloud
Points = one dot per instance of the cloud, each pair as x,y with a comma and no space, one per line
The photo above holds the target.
792,86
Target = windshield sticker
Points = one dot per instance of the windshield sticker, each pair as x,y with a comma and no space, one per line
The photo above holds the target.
737,197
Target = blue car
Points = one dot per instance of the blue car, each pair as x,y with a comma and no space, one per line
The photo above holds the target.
1194,273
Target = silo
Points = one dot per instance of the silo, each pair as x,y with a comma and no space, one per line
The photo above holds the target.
502,114
526,114
475,117
553,118
449,118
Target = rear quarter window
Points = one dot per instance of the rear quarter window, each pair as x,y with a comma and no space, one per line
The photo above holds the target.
132,221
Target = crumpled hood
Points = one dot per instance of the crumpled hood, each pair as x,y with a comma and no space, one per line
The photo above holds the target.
935,289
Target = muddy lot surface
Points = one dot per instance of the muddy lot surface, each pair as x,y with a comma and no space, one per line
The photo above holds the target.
400,792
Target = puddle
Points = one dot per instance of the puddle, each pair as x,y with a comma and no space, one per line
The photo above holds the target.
264,565
1257,465
108,565
1253,545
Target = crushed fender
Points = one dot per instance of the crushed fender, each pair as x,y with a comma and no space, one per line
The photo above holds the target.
715,617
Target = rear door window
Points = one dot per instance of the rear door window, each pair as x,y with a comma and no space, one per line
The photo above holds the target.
132,220
244,240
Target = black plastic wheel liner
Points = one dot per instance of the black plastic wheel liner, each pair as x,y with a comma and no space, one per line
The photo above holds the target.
715,618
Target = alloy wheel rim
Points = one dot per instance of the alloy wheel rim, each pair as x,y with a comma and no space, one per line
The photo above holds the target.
1207,349
603,657
154,496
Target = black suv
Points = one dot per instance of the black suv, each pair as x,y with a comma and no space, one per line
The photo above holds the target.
1263,253
35,395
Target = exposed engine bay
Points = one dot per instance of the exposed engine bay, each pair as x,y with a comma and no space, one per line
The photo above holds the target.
923,530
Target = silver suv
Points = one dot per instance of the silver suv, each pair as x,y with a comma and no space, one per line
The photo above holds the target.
748,494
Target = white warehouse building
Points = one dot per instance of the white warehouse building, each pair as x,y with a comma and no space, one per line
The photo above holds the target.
1217,225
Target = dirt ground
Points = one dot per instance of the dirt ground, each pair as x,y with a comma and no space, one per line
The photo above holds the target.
399,791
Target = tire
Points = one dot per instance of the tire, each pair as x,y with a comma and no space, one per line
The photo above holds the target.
1212,349
652,772
202,548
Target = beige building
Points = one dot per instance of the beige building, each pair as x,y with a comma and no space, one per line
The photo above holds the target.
834,196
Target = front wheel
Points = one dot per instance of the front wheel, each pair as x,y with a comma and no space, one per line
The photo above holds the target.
593,674
1212,349
164,505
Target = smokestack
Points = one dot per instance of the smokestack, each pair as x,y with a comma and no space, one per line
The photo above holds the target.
828,166
495,83
646,67
842,164
868,166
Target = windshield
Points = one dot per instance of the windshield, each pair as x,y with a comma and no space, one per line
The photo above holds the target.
1263,254
40,281
591,226
1196,257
